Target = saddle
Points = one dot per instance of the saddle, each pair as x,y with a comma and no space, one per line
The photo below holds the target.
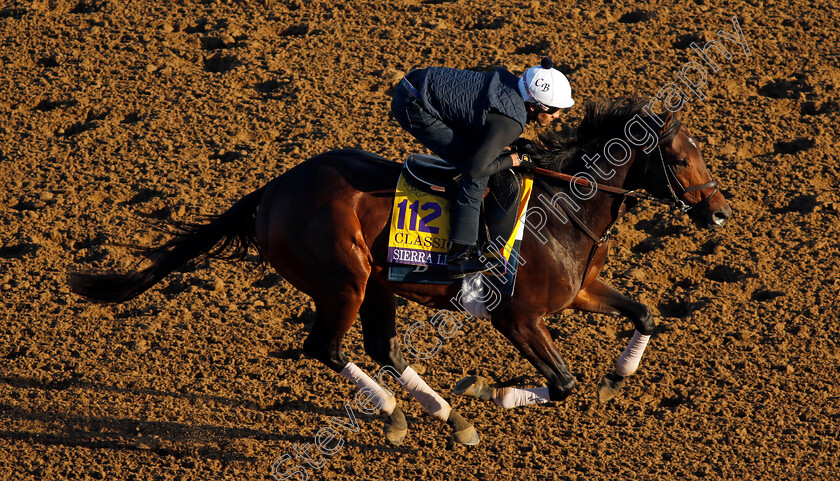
501,198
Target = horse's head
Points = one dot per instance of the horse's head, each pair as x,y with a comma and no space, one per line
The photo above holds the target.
676,170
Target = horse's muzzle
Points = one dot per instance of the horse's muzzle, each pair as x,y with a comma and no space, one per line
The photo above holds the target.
713,217
719,218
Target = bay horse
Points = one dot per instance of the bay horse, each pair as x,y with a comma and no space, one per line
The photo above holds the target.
323,225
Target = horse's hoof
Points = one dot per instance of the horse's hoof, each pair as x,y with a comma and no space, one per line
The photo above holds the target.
462,430
395,427
467,437
475,386
393,435
610,386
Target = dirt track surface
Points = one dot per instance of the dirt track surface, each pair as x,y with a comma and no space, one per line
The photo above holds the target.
118,112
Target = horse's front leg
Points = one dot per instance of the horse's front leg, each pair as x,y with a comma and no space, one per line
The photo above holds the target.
530,336
601,298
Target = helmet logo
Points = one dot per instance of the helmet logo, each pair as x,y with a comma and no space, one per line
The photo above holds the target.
544,86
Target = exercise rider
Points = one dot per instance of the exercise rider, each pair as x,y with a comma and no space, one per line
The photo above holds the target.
467,118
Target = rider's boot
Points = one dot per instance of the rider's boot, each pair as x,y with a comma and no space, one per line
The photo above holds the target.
462,260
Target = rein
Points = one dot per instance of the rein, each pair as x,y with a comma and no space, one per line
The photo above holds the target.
605,188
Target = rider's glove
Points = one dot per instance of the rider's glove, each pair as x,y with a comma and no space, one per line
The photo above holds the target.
525,162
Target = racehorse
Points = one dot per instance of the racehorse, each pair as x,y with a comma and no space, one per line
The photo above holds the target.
323,225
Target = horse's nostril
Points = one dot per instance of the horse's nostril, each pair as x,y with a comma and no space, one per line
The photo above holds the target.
719,217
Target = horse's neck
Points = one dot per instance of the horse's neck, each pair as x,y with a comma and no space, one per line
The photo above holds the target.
599,211
624,176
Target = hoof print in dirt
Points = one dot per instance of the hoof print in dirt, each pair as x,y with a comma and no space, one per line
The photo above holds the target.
788,88
722,273
635,16
685,40
295,30
793,146
220,63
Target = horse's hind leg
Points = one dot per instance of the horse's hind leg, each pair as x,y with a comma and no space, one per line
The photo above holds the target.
601,298
312,236
334,314
382,344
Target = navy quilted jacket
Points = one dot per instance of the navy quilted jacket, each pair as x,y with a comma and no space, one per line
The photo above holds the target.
462,98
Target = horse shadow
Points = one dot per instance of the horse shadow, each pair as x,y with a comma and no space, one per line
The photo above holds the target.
163,438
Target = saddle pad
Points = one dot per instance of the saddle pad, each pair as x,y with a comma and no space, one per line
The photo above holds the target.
419,234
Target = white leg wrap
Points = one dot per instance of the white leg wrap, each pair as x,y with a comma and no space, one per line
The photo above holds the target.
380,397
629,360
511,397
426,396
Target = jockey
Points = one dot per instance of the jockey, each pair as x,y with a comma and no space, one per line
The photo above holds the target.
467,118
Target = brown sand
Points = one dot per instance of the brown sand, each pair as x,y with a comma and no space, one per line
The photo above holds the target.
114,112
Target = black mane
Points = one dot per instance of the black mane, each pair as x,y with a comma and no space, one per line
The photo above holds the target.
602,121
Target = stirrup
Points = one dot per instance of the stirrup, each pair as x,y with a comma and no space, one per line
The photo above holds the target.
471,265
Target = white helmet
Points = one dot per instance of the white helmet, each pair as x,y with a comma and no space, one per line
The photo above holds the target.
546,86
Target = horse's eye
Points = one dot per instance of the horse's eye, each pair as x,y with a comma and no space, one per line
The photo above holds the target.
681,162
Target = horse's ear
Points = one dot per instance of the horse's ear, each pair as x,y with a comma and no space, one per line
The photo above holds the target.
669,117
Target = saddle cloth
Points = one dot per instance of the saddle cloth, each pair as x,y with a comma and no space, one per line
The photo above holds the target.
419,230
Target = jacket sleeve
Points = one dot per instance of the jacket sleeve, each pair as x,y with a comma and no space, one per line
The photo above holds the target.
499,132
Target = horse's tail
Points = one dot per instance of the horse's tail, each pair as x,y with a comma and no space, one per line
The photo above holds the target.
225,236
